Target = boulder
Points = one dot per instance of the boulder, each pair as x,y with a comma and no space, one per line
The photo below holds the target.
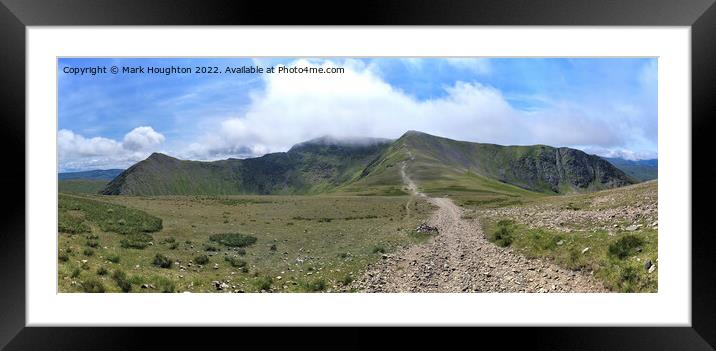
219,285
424,228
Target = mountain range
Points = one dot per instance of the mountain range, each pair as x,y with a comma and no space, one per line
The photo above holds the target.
98,174
641,170
328,164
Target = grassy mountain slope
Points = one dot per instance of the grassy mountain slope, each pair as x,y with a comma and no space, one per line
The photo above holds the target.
641,170
538,168
311,167
372,167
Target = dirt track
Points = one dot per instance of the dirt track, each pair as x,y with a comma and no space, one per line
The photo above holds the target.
460,259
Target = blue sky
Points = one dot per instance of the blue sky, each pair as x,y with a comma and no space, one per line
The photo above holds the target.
603,106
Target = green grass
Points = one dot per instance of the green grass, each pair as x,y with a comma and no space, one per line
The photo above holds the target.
93,285
81,186
235,261
346,279
306,251
201,259
380,248
135,241
162,261
72,222
627,245
315,285
237,201
77,214
157,283
471,190
123,283
233,239
263,283
210,247
165,285
616,260
76,271
503,234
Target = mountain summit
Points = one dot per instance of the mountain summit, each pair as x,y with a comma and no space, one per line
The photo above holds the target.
329,164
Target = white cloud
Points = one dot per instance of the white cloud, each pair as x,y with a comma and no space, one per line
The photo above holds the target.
142,138
73,145
77,152
296,107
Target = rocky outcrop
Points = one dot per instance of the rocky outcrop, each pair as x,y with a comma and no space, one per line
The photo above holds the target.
563,169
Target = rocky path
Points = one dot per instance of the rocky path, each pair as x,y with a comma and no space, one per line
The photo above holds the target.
460,259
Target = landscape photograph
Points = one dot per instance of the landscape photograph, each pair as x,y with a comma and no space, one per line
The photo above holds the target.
357,175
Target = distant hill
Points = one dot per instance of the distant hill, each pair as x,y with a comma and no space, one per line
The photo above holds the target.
328,164
99,174
641,170
86,182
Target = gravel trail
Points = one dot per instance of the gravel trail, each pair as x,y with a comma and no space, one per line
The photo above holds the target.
461,259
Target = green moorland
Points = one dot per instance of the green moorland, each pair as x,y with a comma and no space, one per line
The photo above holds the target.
251,243
82,186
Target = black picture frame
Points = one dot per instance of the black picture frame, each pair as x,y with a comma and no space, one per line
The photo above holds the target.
16,15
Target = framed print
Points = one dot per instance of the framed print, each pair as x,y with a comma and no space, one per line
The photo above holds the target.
425,165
